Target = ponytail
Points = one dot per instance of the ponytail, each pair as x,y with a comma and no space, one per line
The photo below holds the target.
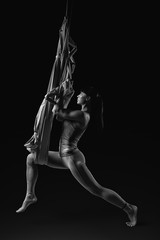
98,96
96,106
97,113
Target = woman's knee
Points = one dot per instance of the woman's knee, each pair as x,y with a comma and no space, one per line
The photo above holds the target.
79,158
31,159
97,190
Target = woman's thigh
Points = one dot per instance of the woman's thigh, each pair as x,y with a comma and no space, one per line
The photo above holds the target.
76,157
55,161
78,168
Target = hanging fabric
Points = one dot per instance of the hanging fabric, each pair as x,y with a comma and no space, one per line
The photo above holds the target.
62,71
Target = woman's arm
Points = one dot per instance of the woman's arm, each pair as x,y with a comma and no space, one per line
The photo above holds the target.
65,114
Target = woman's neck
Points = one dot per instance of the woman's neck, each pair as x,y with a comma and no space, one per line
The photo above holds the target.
85,108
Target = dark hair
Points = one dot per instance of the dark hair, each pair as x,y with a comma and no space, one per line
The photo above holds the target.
90,91
96,104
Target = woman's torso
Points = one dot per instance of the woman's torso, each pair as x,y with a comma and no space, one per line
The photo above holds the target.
71,134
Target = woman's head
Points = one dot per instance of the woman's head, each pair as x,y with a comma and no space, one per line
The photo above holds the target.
87,94
90,97
82,98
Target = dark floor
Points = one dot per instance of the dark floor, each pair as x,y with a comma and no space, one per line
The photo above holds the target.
82,226
67,211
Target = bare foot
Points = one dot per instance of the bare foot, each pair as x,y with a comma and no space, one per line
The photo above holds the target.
131,211
29,199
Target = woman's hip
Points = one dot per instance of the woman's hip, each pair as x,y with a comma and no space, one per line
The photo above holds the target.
76,156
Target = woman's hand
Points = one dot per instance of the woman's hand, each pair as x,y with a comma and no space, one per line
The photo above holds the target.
67,87
55,109
53,95
68,90
53,92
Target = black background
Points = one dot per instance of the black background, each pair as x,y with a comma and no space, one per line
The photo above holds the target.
113,43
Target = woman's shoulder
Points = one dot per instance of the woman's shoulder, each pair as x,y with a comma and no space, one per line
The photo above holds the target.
85,117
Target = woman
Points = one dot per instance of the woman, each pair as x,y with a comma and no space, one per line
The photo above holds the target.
70,157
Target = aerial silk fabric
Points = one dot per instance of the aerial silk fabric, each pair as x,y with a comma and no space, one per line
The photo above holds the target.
62,70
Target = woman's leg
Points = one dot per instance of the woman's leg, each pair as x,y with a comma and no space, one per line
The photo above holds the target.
78,168
31,178
55,161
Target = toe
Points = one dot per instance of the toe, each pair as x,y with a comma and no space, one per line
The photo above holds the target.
128,224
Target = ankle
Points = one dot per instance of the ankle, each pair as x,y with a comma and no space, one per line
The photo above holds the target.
127,207
30,195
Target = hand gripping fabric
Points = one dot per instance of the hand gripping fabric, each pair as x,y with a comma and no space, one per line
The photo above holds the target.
62,71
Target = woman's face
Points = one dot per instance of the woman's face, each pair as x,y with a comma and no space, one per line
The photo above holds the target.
82,98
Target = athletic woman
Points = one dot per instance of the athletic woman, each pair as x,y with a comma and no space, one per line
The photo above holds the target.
70,157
